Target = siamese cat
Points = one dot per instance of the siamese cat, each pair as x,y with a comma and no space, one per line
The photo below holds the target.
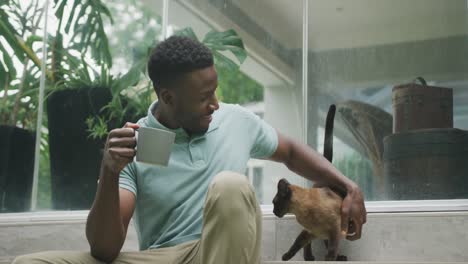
318,210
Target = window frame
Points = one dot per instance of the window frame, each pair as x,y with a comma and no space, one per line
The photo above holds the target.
373,207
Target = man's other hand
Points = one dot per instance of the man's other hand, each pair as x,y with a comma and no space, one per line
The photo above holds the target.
353,213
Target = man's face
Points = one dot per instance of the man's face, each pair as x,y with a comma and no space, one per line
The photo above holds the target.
196,100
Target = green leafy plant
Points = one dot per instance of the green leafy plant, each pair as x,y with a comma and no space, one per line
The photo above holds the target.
81,21
229,75
85,24
18,78
124,104
99,126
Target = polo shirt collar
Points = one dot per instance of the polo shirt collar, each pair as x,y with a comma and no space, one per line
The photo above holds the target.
180,132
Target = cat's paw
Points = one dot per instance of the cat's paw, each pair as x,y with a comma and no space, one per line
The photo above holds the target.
341,258
309,257
287,256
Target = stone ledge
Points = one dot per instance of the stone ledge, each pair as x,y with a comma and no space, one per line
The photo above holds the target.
356,262
425,237
8,260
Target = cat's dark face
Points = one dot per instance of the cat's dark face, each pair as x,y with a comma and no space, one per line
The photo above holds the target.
282,198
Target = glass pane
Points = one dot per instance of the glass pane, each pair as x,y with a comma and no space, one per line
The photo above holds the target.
19,83
269,80
358,52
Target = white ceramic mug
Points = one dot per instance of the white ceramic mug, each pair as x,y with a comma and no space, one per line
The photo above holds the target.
154,145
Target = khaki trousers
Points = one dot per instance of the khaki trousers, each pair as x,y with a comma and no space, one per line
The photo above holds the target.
232,228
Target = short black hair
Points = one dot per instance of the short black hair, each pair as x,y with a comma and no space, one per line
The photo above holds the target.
174,57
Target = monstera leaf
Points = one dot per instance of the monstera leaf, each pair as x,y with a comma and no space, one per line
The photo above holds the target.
226,41
87,31
17,32
186,32
219,42
9,33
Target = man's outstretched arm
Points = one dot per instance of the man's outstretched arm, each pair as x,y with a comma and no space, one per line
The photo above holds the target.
304,161
108,219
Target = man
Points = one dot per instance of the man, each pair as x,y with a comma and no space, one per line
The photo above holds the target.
199,209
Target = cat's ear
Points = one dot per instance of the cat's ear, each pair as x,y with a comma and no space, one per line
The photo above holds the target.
283,189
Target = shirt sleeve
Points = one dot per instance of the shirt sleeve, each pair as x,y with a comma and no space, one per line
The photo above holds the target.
265,137
127,179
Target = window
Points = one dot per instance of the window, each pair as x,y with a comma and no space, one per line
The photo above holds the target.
19,105
303,56
358,52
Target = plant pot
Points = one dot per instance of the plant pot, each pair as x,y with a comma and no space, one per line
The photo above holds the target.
16,168
427,164
75,158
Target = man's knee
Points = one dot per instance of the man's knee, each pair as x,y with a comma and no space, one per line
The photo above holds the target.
230,184
232,193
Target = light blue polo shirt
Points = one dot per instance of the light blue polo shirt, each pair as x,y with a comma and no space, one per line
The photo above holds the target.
170,200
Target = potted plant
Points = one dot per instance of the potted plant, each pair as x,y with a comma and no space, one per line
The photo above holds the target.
80,89
86,43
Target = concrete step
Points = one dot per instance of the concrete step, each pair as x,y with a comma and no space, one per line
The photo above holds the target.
356,262
8,260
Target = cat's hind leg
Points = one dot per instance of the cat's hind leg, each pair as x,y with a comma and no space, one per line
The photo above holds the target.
308,256
302,239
